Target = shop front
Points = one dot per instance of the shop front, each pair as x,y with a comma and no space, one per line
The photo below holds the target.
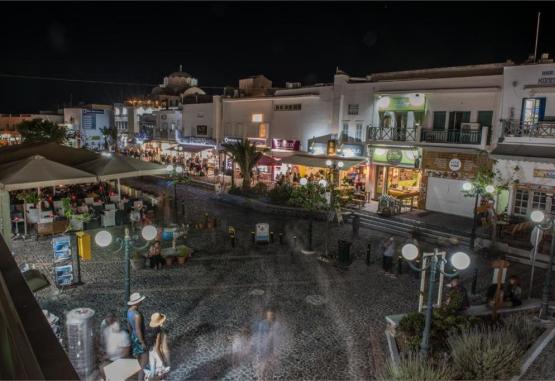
444,173
395,172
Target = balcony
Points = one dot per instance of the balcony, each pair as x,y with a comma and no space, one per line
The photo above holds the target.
392,134
451,136
515,128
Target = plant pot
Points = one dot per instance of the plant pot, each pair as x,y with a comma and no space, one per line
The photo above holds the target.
181,260
169,261
138,263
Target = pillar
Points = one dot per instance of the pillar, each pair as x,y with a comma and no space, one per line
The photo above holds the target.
5,218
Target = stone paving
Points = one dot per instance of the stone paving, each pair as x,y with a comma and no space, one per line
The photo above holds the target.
333,318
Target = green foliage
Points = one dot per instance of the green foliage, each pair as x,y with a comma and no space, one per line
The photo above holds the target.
29,197
260,189
414,367
309,197
280,194
38,130
485,353
523,328
235,190
245,154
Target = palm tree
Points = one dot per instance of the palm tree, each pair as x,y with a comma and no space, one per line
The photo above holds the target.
244,153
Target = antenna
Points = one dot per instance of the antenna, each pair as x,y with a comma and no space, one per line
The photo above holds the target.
537,36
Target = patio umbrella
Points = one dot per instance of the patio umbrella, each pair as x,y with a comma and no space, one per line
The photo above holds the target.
51,151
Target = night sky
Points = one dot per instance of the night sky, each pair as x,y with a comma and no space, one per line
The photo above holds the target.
218,43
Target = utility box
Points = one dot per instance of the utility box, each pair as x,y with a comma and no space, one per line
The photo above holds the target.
84,245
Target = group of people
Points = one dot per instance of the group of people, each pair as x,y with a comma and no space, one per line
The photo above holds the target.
148,345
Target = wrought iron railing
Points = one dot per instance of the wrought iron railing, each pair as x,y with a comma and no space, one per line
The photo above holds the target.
517,128
451,136
397,134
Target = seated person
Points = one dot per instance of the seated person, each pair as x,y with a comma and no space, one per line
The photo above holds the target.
514,294
155,256
457,296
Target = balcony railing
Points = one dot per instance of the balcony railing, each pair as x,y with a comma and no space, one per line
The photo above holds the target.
451,136
396,134
517,128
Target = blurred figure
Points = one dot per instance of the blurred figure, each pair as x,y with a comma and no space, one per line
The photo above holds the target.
388,251
514,294
115,343
241,346
266,341
457,297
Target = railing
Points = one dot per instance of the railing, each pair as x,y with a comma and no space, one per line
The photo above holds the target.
29,349
396,134
451,136
517,128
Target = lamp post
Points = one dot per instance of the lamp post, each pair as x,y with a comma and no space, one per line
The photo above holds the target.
459,261
104,238
545,223
477,192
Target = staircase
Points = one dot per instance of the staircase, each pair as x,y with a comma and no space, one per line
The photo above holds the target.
405,227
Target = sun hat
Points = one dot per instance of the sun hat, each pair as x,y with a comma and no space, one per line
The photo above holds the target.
135,298
156,320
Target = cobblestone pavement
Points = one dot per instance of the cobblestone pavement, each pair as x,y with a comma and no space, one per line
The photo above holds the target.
333,318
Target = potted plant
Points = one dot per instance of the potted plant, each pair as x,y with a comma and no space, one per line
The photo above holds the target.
138,261
182,256
169,260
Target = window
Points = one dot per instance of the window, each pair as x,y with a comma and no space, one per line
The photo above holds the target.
257,118
485,118
532,110
202,130
352,109
345,130
458,117
358,132
539,200
288,107
521,202
439,120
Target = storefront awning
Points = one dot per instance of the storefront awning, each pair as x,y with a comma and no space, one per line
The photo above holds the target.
533,153
319,161
192,148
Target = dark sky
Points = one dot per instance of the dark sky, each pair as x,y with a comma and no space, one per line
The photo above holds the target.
218,43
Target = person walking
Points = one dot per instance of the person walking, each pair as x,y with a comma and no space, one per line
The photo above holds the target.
155,256
388,251
136,326
159,355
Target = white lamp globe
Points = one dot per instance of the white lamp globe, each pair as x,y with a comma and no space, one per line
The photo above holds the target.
460,260
103,238
323,183
416,99
303,181
537,216
169,168
328,163
149,232
340,164
467,187
490,188
409,252
179,169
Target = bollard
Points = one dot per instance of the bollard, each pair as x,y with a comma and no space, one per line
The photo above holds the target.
272,237
233,241
252,237
356,225
369,254
474,281
281,238
400,265
294,241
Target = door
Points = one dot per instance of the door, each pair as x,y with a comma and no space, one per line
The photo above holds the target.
445,196
456,118
380,181
532,110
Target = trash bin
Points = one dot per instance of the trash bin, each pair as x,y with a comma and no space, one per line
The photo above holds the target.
344,252
84,245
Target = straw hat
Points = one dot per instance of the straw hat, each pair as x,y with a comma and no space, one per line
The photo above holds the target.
135,298
157,319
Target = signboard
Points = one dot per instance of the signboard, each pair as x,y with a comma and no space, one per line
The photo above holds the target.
395,157
197,140
259,142
349,150
262,233
544,173
455,164
286,145
62,248
402,103
63,267
232,140
318,148
332,147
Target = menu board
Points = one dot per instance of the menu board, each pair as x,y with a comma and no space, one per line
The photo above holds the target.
63,262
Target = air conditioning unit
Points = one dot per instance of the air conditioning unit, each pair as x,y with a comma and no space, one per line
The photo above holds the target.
466,127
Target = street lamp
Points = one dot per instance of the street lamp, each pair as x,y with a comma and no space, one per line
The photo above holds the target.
477,192
545,223
459,261
104,238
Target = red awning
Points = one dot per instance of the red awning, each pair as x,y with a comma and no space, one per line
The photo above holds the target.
268,161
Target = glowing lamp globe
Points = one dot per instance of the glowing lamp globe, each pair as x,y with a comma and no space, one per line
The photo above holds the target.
303,181
149,232
179,169
340,164
537,216
467,187
490,188
328,163
409,252
460,260
169,168
103,238
323,183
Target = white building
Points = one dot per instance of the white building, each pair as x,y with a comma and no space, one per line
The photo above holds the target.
10,121
88,122
525,154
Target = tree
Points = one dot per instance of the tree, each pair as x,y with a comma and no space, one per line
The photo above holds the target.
38,130
244,153
310,197
111,134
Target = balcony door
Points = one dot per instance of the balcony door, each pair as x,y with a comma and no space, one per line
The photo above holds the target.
532,110
456,118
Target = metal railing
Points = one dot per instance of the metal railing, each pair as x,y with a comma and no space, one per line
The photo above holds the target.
517,128
396,134
451,136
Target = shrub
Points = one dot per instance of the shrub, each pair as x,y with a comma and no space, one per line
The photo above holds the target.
235,190
260,189
280,194
523,328
485,353
414,367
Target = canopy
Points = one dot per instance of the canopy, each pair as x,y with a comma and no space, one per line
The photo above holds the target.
193,148
51,151
319,161
268,161
113,166
37,171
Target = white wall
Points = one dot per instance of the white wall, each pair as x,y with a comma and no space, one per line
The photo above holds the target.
198,114
525,175
445,196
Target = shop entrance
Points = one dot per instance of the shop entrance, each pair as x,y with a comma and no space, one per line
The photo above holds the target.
401,183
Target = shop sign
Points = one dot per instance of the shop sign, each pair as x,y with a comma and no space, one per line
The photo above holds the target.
331,147
232,140
349,150
318,148
287,145
544,173
395,157
455,164
413,102
259,142
545,80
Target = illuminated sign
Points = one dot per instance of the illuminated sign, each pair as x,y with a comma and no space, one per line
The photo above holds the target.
232,140
332,147
412,102
287,145
544,173
349,150
395,157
